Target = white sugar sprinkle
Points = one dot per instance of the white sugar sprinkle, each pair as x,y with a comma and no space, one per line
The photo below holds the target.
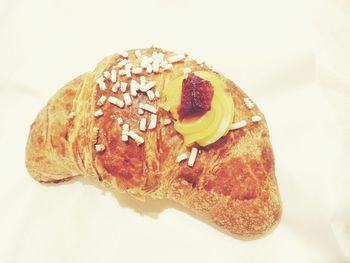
124,54
168,66
147,86
122,63
142,80
123,86
128,73
150,95
127,99
149,69
133,91
125,137
163,63
115,87
100,147
116,101
176,58
129,66
248,103
122,72
71,115
138,54
143,124
145,62
100,79
167,122
98,113
153,122
157,93
181,157
102,85
107,75
238,125
148,107
120,120
155,67
140,111
125,126
101,100
137,70
193,157
113,75
256,118
138,139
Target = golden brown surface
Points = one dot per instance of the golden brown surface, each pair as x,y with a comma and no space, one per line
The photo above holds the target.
232,182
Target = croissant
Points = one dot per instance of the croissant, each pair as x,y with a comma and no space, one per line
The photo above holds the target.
113,124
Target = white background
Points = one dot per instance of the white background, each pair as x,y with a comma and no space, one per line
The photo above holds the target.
291,57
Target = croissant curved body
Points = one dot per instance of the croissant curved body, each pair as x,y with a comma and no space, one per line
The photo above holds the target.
232,182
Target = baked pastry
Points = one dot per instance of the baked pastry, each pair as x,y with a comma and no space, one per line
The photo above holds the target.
153,123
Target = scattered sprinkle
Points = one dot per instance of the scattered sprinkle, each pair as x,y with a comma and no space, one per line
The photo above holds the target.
153,122
238,125
150,95
163,63
120,120
176,58
71,115
100,79
155,67
114,76
157,93
122,63
128,66
140,111
123,86
101,100
147,86
116,101
248,103
124,54
145,62
256,118
138,139
167,122
128,73
102,85
149,69
125,131
100,147
168,66
181,157
107,75
143,124
127,99
122,72
193,157
138,54
115,87
98,113
137,70
148,107
142,81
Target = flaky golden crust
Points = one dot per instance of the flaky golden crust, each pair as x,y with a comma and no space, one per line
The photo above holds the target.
232,182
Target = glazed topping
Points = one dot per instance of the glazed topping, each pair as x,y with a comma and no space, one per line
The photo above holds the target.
196,97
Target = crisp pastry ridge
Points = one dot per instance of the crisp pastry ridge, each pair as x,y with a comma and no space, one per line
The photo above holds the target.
83,129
